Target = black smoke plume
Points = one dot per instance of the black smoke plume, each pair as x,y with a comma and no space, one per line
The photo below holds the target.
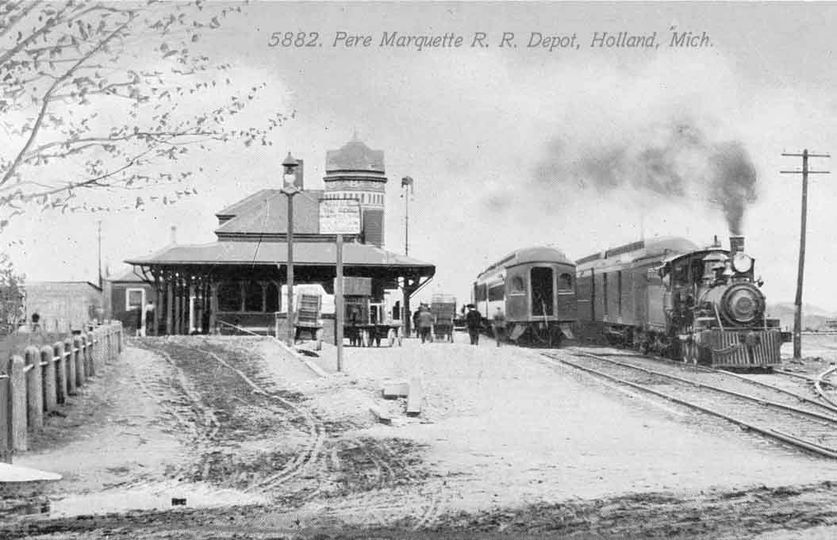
676,161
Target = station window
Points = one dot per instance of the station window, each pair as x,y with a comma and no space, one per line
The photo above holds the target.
229,296
272,298
253,296
134,298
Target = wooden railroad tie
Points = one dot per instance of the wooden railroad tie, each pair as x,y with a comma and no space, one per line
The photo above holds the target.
395,390
414,397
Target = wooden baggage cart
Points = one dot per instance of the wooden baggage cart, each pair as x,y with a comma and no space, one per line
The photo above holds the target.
443,309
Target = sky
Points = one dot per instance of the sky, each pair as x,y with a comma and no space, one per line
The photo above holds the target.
582,148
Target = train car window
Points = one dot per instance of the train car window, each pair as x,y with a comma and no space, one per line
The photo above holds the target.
229,296
680,273
543,293
479,293
619,293
496,292
565,282
517,286
604,292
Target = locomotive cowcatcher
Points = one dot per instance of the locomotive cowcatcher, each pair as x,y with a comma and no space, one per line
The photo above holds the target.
669,297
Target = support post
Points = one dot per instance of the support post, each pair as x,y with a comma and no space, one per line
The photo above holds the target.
169,305
70,366
60,372
213,306
339,310
78,361
291,325
50,393
17,382
34,388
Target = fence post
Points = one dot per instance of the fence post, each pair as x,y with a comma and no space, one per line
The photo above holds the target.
17,380
48,370
69,366
119,338
5,418
34,389
106,344
94,350
60,372
89,368
78,361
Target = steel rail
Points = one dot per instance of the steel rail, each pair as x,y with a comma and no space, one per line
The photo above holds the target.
820,380
769,432
766,402
799,376
830,406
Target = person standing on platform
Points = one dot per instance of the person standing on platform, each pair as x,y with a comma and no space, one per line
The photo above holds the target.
473,320
499,325
149,329
425,324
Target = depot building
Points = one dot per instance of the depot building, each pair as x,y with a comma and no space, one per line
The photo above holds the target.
238,282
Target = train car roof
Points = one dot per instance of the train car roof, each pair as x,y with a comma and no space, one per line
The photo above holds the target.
653,247
530,255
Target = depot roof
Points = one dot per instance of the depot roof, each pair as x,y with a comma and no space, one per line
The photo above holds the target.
272,253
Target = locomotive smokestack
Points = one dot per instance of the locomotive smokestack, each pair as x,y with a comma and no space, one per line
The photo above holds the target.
736,244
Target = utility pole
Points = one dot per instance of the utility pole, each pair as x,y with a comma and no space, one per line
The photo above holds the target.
797,316
100,254
407,186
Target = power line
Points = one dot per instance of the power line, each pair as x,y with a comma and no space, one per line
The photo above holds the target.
797,316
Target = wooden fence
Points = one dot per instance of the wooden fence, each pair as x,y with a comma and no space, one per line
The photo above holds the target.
40,379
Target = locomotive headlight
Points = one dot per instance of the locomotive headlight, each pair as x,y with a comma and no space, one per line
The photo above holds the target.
742,263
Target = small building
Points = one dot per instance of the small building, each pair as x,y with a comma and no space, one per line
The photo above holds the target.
238,281
124,298
64,306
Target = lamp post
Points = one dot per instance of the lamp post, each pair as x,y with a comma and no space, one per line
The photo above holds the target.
289,188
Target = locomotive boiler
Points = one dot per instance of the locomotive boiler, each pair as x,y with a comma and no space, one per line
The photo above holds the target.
669,297
535,290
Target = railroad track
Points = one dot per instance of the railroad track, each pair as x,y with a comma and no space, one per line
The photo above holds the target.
770,411
822,379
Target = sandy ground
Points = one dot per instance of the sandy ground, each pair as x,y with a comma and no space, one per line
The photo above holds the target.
506,444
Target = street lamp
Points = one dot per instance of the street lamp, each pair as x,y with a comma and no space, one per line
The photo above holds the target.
290,189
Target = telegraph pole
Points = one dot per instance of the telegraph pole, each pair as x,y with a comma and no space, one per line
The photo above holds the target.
100,254
797,316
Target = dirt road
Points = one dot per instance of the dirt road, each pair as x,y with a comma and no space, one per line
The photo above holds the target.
246,441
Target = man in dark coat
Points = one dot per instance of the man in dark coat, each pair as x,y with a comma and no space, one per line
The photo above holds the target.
425,324
473,320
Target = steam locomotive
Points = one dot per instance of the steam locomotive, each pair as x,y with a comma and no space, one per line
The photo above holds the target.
535,289
669,297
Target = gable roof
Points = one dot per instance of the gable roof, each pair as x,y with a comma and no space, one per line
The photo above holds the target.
266,213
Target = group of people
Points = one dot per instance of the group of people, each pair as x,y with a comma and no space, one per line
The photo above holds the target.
473,321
